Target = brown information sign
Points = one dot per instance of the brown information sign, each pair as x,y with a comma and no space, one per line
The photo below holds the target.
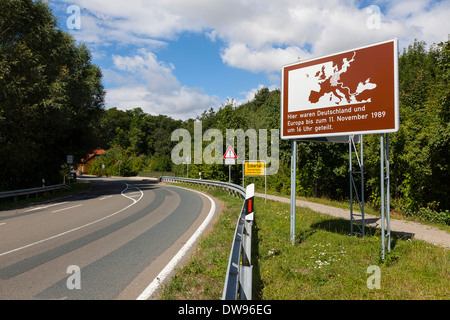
352,92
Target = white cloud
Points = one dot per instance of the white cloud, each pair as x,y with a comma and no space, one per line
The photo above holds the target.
257,35
266,59
250,94
422,20
143,81
128,22
181,103
145,68
260,26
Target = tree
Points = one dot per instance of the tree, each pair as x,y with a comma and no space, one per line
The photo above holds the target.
420,149
51,96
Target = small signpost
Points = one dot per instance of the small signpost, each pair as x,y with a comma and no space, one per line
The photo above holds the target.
230,159
255,168
69,161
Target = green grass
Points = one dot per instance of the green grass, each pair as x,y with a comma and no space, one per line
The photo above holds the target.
327,263
368,209
324,263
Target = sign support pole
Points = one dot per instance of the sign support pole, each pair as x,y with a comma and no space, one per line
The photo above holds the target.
360,201
293,187
230,159
385,197
265,181
243,174
388,195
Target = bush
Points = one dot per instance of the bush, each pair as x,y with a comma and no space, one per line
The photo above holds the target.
430,215
130,164
427,214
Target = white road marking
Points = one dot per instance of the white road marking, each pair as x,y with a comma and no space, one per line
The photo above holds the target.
105,198
2,223
139,190
67,208
151,288
45,207
80,227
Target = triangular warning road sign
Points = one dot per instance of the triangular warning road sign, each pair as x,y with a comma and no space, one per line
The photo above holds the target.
230,154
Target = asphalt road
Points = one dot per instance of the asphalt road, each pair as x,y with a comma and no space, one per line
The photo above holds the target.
110,242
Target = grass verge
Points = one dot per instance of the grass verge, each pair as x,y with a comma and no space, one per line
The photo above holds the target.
324,263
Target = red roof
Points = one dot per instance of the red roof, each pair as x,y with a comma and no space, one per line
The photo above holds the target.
97,152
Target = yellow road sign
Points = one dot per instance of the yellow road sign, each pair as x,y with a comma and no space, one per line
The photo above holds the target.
254,168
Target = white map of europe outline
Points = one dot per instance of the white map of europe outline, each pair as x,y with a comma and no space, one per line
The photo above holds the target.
320,86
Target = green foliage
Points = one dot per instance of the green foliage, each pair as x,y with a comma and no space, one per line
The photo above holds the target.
430,214
50,95
130,164
160,162
420,150
141,141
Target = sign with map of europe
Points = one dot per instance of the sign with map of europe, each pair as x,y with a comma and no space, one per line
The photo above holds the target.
352,92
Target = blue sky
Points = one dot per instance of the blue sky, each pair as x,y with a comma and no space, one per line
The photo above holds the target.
179,57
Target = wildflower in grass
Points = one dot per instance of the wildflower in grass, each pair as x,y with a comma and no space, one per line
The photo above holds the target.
271,252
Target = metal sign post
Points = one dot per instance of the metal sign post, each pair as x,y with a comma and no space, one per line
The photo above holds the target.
293,187
69,161
352,140
385,195
353,185
230,159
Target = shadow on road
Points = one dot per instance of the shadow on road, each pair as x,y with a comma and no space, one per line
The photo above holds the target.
100,187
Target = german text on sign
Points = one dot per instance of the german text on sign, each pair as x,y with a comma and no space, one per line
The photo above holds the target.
352,92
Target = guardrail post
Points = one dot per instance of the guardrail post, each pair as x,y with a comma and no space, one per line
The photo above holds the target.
246,270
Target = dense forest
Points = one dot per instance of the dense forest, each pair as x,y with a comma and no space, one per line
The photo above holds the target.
51,105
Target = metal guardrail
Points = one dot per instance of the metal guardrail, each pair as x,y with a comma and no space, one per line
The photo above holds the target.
27,192
236,189
238,279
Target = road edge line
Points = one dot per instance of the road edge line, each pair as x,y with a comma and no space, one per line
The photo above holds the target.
154,285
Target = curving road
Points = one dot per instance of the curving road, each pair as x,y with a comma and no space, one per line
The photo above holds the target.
118,240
